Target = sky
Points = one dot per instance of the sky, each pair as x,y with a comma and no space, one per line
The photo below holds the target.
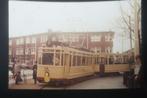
28,17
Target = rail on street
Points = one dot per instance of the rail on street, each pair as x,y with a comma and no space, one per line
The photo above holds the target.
115,82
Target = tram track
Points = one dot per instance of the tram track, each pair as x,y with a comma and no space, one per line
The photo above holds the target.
51,86
85,84
70,83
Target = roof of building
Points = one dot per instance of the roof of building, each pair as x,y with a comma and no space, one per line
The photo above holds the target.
44,33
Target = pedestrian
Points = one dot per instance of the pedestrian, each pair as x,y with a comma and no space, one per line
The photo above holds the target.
136,72
17,72
35,72
130,76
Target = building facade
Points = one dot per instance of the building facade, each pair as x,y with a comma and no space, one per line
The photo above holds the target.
25,48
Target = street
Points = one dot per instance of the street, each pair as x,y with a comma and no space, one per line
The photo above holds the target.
115,82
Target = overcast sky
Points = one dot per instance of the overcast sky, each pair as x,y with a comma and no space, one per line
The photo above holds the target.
27,17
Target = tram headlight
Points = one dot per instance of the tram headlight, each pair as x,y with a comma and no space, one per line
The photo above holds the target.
46,77
46,74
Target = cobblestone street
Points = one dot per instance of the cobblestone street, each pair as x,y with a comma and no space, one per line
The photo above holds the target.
97,83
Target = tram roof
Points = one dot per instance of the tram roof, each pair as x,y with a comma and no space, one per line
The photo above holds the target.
69,48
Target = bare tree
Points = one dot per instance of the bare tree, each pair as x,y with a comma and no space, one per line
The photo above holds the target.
127,19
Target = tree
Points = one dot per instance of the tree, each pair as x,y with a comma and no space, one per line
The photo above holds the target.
130,20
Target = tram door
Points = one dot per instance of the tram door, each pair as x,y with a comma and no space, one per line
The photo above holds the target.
66,64
102,66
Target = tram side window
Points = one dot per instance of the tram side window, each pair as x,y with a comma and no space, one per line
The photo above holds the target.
86,61
94,60
70,60
62,60
47,58
90,60
39,60
65,59
111,60
74,60
78,60
98,61
57,59
83,60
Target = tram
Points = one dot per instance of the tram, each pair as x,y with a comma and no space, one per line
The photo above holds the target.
62,63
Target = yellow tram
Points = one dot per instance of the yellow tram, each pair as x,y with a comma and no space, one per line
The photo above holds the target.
65,63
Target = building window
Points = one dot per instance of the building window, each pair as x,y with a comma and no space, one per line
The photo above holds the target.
60,39
27,40
74,38
44,38
95,38
28,51
53,39
17,42
19,51
108,50
21,41
108,38
33,40
41,39
65,38
98,50
32,50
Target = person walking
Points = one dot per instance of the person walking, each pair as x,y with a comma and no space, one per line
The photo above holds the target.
17,72
35,73
130,75
136,72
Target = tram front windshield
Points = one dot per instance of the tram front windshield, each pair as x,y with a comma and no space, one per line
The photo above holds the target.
47,58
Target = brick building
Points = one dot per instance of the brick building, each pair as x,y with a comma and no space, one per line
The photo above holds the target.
26,47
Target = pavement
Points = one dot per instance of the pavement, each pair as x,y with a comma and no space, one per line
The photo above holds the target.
28,84
101,83
96,83
25,75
